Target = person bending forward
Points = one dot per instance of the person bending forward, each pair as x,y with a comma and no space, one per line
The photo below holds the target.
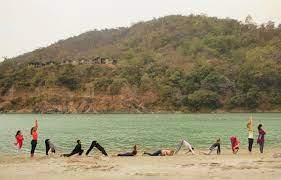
187,145
98,146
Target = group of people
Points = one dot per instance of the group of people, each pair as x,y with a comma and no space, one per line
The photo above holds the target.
235,143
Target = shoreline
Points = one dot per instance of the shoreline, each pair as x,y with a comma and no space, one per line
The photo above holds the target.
181,166
164,112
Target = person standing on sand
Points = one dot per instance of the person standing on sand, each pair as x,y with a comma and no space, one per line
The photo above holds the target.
250,134
34,134
19,139
77,150
133,153
260,139
187,145
98,146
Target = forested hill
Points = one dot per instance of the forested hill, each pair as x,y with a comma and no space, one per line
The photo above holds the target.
174,63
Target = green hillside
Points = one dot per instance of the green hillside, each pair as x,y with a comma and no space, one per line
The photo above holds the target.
174,63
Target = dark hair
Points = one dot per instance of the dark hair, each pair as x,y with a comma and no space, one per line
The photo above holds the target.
18,132
78,141
31,130
259,127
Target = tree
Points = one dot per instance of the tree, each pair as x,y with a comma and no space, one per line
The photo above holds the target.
203,99
249,19
71,83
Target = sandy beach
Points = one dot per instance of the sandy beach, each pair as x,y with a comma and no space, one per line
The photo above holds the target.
182,166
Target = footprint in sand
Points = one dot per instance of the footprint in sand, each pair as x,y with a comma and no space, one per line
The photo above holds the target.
187,165
215,164
151,174
277,155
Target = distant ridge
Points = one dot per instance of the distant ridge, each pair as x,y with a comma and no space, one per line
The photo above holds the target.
174,63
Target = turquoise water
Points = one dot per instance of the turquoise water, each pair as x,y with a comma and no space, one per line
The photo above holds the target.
118,132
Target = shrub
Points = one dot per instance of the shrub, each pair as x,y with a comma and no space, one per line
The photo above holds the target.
203,99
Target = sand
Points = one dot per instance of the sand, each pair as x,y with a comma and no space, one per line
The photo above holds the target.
182,166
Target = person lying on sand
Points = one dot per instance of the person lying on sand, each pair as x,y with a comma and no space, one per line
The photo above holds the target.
133,153
234,144
187,145
49,146
216,145
98,146
161,152
77,150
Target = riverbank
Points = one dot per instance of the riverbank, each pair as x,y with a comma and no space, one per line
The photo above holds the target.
218,111
183,166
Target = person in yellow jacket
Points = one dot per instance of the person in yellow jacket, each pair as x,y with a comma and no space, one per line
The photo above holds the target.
250,133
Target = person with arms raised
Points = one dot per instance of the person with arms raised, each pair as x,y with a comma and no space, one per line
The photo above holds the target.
250,134
34,134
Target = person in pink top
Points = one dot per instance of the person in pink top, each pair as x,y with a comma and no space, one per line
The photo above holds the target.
19,138
34,135
260,139
234,144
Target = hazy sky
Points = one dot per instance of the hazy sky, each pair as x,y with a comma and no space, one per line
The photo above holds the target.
29,24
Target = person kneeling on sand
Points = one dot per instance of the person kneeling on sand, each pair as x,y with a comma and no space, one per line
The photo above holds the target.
77,150
161,152
216,145
187,145
234,144
49,146
133,153
98,146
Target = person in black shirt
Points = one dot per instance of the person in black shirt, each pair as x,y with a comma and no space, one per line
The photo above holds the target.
133,153
77,150
49,146
98,146
217,145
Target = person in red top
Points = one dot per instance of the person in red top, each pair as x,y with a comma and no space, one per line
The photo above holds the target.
34,134
234,144
19,138
260,139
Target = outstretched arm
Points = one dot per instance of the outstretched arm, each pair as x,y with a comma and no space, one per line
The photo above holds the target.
188,146
191,150
250,124
36,123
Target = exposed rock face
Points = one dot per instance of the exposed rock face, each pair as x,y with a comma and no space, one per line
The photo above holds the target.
78,105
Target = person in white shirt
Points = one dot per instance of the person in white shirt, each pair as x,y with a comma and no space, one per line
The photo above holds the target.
187,145
250,134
